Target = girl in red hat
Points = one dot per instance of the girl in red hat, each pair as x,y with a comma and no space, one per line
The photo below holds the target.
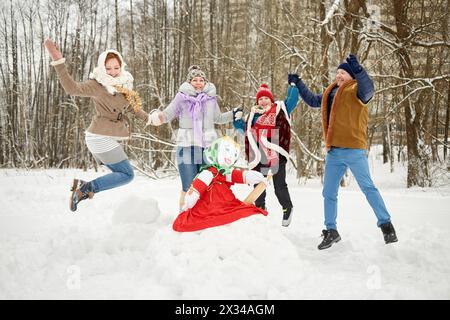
267,140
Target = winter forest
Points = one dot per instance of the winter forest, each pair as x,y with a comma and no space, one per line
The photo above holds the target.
403,44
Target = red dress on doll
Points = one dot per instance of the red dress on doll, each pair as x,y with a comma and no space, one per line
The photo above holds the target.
217,204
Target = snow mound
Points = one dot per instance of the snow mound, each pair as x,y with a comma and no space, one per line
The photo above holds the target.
134,209
246,259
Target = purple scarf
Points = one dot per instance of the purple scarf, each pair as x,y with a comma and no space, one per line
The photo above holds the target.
196,108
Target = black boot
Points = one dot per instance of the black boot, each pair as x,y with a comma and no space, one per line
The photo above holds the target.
261,206
287,217
388,233
329,237
81,190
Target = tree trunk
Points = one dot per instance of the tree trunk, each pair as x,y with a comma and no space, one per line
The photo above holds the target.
447,122
118,41
412,120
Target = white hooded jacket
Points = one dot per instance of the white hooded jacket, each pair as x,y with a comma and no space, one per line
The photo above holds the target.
124,79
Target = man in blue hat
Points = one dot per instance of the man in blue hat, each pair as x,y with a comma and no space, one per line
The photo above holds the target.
344,121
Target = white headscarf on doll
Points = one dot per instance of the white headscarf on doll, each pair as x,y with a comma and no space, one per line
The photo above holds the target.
124,79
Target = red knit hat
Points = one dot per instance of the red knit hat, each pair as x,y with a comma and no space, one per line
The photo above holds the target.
264,92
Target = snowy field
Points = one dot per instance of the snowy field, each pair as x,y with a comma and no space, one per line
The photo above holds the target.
120,245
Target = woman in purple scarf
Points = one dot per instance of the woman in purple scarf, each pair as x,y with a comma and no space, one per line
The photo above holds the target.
195,106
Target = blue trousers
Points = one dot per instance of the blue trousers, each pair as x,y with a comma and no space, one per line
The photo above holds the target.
122,173
336,162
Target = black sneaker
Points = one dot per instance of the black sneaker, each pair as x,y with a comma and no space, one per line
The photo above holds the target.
388,233
329,237
287,217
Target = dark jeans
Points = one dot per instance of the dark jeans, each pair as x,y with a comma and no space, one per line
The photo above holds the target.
279,183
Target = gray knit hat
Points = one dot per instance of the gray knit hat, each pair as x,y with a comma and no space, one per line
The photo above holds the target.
195,71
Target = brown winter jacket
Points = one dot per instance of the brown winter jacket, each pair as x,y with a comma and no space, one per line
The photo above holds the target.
109,118
348,119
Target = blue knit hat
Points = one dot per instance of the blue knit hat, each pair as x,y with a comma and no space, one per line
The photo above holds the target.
345,66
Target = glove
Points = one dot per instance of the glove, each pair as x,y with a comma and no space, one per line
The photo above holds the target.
190,199
238,112
353,63
259,109
154,118
293,78
253,177
149,121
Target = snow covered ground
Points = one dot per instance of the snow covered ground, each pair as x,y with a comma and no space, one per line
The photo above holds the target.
120,245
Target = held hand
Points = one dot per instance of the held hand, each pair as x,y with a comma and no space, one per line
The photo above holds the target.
52,49
238,113
190,199
353,63
155,118
293,78
150,119
253,177
260,109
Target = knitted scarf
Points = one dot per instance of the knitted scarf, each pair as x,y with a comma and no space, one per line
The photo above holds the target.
196,109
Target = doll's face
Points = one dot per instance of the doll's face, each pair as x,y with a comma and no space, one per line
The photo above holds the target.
228,153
